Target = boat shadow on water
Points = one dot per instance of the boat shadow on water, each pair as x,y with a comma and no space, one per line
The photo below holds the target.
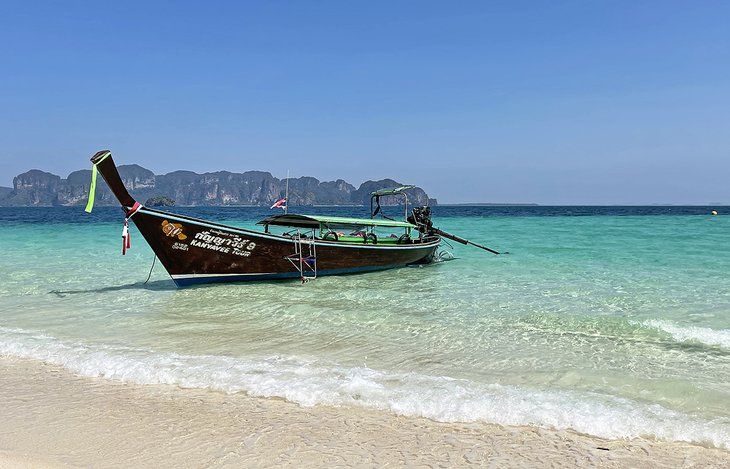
169,285
156,285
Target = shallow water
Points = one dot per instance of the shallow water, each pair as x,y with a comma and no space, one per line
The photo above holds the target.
611,321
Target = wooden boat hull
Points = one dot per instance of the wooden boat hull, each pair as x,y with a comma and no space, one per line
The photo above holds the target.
196,251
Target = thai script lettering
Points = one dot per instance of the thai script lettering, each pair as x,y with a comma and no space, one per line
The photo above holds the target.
223,242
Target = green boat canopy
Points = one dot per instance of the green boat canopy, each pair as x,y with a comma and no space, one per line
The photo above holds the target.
315,221
396,191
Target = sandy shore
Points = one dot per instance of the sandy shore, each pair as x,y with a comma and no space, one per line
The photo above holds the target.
52,418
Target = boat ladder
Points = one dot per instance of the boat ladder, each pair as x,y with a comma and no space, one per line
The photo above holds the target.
304,262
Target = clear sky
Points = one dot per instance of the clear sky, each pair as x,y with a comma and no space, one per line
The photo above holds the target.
553,102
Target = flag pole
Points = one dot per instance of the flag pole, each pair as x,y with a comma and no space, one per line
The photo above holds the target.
286,194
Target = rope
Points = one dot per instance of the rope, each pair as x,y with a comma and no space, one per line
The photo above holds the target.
154,259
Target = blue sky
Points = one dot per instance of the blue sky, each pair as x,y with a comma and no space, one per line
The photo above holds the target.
553,102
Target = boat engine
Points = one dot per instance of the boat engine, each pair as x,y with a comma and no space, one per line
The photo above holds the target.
421,217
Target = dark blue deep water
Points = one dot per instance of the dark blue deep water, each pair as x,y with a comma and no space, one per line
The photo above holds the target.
10,215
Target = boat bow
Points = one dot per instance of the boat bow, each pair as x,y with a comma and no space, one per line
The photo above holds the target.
104,163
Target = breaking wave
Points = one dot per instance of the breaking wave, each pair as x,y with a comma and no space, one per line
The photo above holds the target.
704,335
309,383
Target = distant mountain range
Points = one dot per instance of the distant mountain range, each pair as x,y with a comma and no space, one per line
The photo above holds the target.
186,188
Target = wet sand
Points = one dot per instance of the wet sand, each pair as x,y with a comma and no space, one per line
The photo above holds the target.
52,418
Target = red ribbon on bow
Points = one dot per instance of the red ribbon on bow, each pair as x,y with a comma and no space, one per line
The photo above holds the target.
126,237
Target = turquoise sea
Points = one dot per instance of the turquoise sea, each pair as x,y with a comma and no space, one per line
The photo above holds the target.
611,321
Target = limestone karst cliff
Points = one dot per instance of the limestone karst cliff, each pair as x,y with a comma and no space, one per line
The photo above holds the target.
186,188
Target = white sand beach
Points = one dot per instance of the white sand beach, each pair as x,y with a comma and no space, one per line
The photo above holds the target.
52,418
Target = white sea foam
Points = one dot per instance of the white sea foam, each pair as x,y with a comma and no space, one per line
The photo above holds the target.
309,383
702,335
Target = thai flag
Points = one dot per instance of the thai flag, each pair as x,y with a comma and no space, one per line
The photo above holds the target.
280,203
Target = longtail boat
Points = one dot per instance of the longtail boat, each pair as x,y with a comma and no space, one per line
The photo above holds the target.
195,251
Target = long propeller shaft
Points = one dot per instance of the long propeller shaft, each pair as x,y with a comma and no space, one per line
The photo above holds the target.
461,240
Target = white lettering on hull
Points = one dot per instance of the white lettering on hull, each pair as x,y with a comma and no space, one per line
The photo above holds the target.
226,243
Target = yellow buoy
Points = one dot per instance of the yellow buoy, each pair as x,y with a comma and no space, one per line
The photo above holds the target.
714,212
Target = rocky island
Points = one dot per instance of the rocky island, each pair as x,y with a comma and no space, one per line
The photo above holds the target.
186,188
